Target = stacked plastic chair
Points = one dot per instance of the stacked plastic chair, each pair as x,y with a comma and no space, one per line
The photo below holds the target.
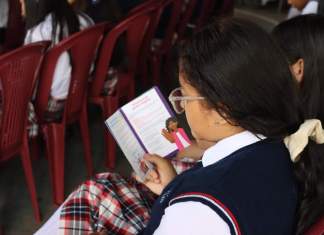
134,27
161,52
143,60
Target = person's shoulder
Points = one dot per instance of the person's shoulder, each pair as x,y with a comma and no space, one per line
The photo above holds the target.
85,20
41,31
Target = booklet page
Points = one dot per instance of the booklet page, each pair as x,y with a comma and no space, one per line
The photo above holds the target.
147,114
128,143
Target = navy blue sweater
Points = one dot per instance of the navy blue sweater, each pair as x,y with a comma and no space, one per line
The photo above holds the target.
253,190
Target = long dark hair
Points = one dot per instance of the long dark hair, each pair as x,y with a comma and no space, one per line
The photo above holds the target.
63,16
245,76
303,38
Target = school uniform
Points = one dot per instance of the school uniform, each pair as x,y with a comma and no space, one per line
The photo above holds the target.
241,186
244,184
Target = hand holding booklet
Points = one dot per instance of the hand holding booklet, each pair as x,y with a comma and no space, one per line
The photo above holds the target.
139,127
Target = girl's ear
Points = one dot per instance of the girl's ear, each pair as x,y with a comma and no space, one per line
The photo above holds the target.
298,70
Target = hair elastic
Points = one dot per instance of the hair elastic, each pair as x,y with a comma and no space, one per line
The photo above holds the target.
297,142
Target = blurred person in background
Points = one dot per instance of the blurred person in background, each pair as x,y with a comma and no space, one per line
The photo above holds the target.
59,21
302,42
304,7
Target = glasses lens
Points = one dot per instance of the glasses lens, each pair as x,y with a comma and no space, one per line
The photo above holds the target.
177,104
176,93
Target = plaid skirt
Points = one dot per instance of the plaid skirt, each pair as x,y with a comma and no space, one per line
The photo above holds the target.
110,204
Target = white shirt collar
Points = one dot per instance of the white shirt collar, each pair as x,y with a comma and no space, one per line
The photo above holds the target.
229,145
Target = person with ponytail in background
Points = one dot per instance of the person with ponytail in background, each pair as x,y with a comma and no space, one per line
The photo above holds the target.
302,41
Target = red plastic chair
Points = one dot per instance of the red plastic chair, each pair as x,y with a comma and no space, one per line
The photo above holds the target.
143,59
82,48
134,28
317,229
18,72
185,19
227,7
204,14
161,52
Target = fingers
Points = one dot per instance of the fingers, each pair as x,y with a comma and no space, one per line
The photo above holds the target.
153,158
152,176
138,179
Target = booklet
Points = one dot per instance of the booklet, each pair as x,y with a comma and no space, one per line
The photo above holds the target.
146,125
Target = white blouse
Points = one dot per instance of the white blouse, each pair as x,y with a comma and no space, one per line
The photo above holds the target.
62,74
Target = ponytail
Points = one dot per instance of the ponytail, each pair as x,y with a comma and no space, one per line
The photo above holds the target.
307,151
309,171
64,16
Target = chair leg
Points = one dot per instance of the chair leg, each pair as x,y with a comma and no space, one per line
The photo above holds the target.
110,106
56,143
26,161
86,140
49,157
34,147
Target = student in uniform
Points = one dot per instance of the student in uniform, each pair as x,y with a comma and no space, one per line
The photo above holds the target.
302,41
237,93
60,20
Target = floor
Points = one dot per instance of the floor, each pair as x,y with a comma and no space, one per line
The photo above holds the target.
16,214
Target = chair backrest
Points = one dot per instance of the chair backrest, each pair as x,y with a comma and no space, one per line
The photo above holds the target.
81,47
204,13
186,17
134,27
18,72
227,7
317,228
175,7
153,6
143,6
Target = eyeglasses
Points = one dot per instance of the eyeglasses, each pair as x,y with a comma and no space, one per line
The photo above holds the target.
179,101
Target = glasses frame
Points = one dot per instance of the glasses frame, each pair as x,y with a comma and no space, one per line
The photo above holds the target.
184,99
